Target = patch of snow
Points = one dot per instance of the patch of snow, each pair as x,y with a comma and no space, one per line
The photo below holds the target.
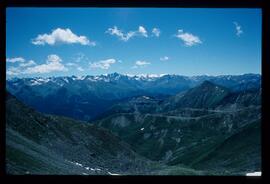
163,74
254,174
130,75
112,173
35,83
94,169
80,77
76,163
43,80
66,80
153,75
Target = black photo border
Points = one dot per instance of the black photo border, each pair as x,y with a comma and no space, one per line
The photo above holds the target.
261,4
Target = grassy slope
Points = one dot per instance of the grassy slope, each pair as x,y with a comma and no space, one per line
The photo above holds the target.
240,153
201,136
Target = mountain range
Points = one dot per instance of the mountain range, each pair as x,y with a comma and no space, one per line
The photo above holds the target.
167,124
84,98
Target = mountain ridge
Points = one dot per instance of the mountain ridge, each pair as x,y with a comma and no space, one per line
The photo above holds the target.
92,95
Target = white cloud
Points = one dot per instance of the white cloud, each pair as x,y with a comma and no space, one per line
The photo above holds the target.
117,32
71,64
53,64
80,57
103,64
13,71
142,31
165,58
16,59
61,36
188,38
29,63
238,29
80,69
156,32
140,64
126,36
20,68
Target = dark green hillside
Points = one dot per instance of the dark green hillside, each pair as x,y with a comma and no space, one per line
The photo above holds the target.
239,153
181,134
45,144
41,144
207,95
177,139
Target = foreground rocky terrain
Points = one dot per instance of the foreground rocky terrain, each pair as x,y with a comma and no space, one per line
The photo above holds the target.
43,144
208,127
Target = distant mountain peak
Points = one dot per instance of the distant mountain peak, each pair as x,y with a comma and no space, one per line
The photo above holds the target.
207,83
210,86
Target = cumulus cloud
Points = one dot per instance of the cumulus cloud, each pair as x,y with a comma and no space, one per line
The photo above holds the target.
13,71
140,64
141,32
188,38
156,32
64,36
165,58
16,59
20,69
52,64
29,63
238,29
103,64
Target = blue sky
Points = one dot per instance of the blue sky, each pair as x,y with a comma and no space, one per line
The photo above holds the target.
90,41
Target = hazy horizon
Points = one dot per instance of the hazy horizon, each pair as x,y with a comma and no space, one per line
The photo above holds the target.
131,75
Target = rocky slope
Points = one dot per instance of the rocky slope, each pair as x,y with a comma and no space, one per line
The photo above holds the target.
43,144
